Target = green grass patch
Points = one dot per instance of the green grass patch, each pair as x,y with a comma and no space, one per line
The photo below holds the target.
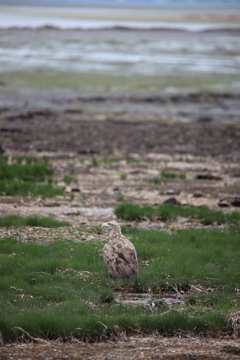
156,180
24,169
120,198
170,175
72,171
130,160
46,222
188,256
62,289
67,179
166,175
27,175
14,187
94,162
166,212
26,160
110,160
122,176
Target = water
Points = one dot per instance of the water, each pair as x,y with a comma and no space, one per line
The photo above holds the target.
114,52
91,40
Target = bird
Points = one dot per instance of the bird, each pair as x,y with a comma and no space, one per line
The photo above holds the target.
119,254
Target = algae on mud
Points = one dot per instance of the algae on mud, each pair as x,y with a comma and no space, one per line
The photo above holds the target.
114,83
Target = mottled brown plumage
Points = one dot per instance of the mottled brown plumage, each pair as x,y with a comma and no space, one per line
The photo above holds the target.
119,254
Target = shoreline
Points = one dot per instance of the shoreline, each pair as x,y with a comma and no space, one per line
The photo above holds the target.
188,15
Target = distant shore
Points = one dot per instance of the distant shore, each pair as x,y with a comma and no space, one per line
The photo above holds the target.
122,14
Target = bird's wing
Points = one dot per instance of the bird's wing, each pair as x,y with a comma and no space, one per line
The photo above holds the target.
121,260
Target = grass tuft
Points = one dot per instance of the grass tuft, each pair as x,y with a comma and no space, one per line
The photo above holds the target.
122,176
67,179
156,180
130,160
120,198
45,222
22,176
170,175
30,170
18,188
110,160
94,162
166,212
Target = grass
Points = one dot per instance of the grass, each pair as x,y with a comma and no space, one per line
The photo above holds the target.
67,179
170,175
110,160
166,175
166,212
27,175
24,170
122,176
62,289
45,222
94,162
130,160
120,197
72,171
156,180
13,188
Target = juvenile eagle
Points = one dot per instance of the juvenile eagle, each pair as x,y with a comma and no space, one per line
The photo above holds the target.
119,254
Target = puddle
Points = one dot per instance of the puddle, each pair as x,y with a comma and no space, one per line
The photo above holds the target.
154,300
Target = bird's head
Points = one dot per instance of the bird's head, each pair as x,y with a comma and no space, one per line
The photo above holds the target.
111,226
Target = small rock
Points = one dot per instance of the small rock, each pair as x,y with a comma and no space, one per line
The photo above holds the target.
205,119
198,195
226,202
71,213
223,203
172,192
235,202
208,177
159,303
1,150
171,201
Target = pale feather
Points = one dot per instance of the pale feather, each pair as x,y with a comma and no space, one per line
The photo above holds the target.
120,257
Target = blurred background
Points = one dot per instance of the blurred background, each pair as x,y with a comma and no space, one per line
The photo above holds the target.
120,46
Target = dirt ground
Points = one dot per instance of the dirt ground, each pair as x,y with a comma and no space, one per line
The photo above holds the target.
196,124
151,347
198,135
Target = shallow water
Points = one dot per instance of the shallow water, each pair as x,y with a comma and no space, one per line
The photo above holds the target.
148,42
120,52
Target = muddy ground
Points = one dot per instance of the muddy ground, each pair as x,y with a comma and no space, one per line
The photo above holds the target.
151,347
196,124
197,135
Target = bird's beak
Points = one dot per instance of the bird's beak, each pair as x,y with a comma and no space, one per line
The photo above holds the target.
104,225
